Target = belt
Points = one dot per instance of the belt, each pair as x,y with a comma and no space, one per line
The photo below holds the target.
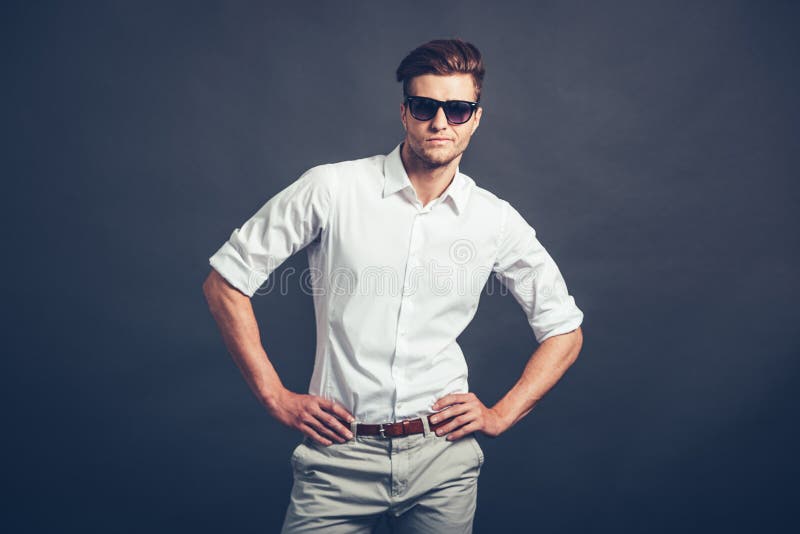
400,428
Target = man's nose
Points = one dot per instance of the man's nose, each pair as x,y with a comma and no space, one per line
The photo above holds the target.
439,121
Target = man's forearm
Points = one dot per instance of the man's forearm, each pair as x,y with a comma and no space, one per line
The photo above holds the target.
234,315
316,417
544,369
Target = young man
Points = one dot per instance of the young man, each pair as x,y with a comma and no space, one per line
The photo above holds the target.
402,245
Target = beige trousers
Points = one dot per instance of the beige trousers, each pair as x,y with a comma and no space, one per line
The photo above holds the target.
423,482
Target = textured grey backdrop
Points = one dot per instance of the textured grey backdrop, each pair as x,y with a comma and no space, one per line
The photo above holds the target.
653,145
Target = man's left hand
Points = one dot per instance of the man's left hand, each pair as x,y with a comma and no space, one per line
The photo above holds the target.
469,415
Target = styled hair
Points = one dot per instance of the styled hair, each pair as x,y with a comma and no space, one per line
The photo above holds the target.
442,57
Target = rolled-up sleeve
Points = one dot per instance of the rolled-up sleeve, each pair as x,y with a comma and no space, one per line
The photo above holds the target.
533,278
286,223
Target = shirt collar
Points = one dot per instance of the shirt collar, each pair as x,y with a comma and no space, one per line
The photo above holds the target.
396,178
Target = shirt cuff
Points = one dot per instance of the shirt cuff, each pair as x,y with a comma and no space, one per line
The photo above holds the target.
230,265
568,325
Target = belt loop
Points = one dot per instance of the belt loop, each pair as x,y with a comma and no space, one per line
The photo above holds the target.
426,429
354,428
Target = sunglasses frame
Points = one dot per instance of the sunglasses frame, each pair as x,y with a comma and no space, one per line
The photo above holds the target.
440,104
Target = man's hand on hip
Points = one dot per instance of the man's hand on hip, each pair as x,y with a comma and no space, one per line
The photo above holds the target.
318,418
469,415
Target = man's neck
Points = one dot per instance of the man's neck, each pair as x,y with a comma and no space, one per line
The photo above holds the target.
428,182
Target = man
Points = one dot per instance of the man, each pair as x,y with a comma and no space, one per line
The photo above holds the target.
402,245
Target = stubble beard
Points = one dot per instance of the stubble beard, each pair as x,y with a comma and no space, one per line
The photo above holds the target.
435,158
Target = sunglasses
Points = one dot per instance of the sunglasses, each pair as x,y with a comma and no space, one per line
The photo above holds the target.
456,111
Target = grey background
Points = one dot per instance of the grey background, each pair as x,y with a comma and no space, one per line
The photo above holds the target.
653,145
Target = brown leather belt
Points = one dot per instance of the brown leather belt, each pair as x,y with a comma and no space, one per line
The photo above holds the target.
400,428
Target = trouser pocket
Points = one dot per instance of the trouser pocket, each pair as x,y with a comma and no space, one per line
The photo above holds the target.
478,450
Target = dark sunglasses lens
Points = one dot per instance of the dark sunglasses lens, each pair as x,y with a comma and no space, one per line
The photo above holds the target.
422,109
458,112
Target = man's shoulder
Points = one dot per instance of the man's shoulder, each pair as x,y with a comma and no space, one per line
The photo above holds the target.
482,196
347,167
332,176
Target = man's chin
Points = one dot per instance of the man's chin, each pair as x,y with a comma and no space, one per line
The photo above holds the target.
437,158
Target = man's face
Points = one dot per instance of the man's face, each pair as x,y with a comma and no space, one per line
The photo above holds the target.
436,142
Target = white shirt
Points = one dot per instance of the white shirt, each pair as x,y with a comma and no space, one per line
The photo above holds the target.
394,283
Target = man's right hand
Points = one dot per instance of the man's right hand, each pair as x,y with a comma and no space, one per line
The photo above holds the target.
318,418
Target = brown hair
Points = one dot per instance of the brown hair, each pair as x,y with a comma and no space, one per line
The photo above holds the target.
442,57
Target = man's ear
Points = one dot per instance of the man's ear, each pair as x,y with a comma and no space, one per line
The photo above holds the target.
403,116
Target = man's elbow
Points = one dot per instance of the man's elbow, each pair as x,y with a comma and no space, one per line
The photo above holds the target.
568,345
214,288
576,338
208,284
217,290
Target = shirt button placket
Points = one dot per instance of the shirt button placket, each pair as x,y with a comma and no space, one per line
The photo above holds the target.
406,308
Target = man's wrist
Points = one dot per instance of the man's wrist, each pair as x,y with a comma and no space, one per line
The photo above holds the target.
272,399
504,421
